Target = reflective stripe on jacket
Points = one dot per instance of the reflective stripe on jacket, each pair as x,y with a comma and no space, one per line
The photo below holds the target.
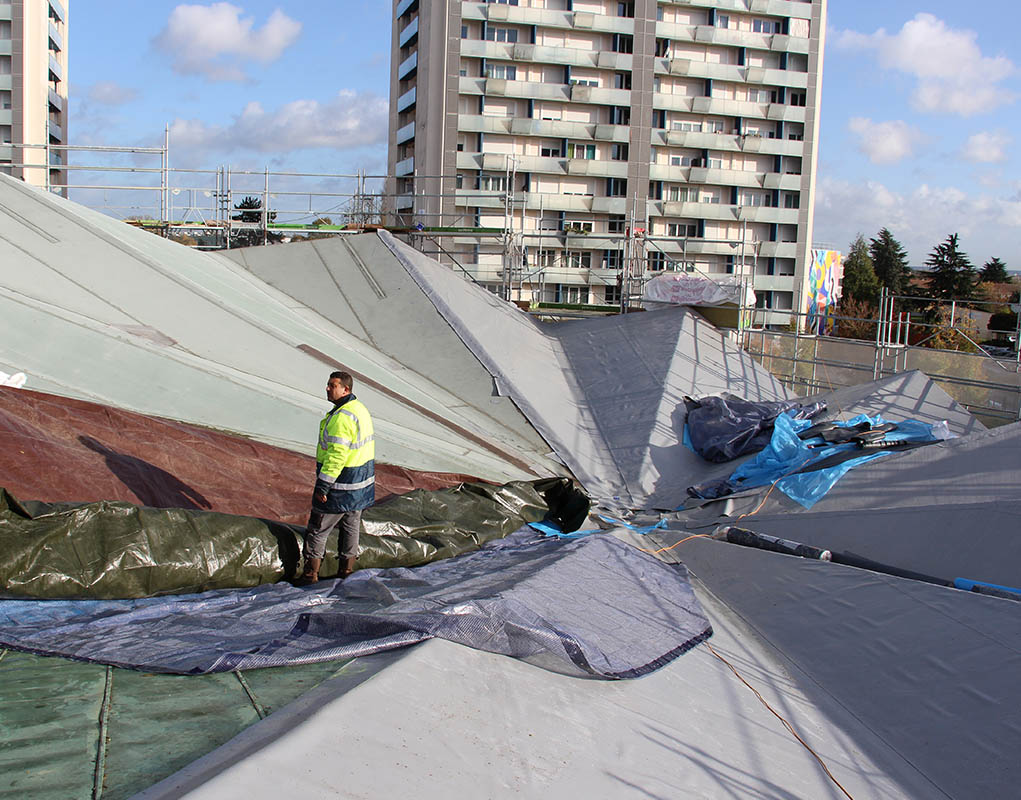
345,458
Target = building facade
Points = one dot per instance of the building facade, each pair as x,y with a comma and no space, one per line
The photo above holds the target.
591,144
33,89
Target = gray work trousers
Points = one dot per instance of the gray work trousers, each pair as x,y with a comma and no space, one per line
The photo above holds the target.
319,527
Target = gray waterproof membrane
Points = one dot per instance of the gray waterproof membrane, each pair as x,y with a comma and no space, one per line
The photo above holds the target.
606,393
593,606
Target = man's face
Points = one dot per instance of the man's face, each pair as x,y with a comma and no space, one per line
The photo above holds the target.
335,391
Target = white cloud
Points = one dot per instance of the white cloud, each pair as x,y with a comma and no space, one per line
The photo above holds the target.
212,40
885,142
953,76
988,224
109,93
349,120
987,147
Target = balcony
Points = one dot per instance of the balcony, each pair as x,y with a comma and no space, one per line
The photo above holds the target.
6,47
405,167
56,101
553,128
776,180
600,96
700,69
58,9
787,216
612,133
404,7
785,112
481,198
406,100
405,133
609,205
600,168
560,202
606,59
56,70
55,36
407,66
408,33
404,201
527,90
778,249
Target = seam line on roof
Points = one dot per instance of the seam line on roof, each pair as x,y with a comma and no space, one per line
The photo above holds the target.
99,776
340,291
259,709
30,225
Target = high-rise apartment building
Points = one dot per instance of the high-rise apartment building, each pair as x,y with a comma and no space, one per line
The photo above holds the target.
33,89
609,138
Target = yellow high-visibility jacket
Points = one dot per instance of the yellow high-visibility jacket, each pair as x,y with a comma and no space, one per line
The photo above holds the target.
345,458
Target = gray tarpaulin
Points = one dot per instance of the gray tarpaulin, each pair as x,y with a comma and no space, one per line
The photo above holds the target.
592,606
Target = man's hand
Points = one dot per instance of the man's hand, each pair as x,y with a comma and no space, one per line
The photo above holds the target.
320,498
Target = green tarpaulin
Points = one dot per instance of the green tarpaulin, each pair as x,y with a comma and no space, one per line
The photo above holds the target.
110,550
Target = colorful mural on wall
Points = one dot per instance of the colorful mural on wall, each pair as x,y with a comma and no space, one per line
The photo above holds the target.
823,289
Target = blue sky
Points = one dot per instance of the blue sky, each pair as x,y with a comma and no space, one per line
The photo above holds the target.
920,112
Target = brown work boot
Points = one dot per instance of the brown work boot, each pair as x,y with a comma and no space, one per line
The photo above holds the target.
311,573
347,566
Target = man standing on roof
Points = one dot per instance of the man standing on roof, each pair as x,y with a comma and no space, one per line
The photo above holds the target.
345,478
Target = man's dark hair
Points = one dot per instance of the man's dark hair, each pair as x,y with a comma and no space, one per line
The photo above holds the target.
345,379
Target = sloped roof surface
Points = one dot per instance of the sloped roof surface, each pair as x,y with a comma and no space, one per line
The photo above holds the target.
607,393
98,310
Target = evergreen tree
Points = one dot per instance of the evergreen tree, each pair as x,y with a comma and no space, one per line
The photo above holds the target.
952,277
994,271
860,281
251,212
890,262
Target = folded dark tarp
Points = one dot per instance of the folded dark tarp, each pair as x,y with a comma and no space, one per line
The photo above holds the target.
590,606
117,550
725,427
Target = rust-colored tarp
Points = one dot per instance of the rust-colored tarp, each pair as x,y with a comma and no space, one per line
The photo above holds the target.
58,449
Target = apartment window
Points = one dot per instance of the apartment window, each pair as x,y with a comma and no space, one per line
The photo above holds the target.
5,134
616,223
501,35
682,229
578,226
662,48
657,261
459,181
622,80
690,127
612,294
464,31
503,2
681,194
5,65
756,199
507,72
798,98
713,126
613,259
791,200
626,9
766,26
685,161
758,96
562,293
616,187
546,258
655,190
580,259
584,82
493,183
5,100
5,29
550,150
722,21
714,163
623,43
576,150
620,115
619,152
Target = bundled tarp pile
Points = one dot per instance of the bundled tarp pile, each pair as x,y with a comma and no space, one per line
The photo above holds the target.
108,549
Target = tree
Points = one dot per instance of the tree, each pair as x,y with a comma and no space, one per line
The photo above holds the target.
994,271
860,281
251,212
951,275
890,262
